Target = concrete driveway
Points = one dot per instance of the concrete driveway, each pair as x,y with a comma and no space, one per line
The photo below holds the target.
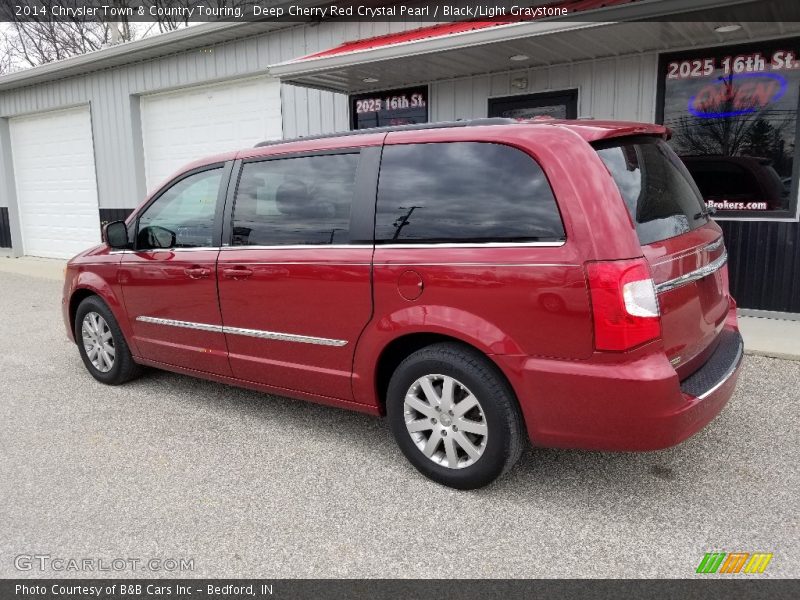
248,485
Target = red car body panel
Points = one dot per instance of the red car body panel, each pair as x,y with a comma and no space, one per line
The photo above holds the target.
303,291
527,308
691,315
180,286
94,272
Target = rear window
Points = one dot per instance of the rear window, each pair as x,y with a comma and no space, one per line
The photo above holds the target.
661,196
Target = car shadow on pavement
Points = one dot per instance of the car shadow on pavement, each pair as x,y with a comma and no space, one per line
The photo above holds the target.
586,476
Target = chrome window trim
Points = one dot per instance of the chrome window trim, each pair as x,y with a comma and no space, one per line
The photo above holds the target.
312,263
475,245
256,333
469,264
368,246
192,249
694,275
402,246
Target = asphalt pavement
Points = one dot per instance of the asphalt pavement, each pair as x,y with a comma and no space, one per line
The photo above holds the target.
241,484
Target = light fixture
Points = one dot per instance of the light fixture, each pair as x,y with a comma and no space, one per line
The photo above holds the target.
370,80
727,28
519,57
520,83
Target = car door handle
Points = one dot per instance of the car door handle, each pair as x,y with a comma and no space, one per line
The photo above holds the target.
237,273
197,272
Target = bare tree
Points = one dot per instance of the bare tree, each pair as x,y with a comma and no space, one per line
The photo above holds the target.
40,38
5,58
36,42
169,15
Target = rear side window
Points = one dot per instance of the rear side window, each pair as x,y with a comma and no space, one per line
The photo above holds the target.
661,196
295,201
462,192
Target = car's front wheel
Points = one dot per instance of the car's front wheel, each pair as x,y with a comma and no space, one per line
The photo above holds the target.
102,345
454,416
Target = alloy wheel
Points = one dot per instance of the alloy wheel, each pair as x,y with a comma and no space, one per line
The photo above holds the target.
446,421
98,342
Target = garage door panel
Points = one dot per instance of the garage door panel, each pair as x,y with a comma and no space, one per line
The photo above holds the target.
180,127
55,179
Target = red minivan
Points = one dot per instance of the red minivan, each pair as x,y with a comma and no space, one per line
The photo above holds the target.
478,282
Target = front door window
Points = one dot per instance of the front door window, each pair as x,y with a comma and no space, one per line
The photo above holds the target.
183,216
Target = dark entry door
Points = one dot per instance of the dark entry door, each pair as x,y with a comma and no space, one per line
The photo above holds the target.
559,105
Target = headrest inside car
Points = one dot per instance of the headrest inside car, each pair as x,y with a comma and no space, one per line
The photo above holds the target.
293,198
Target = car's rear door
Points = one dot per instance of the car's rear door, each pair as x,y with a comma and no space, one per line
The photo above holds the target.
169,278
295,268
683,246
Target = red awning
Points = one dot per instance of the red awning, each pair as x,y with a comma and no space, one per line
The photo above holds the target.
448,51
445,29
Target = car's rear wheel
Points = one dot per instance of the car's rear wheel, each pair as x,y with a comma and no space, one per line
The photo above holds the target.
101,344
454,416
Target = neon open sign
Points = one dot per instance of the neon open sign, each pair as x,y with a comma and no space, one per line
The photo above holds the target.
736,95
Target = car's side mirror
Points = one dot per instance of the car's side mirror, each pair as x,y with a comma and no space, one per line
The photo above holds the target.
116,235
155,237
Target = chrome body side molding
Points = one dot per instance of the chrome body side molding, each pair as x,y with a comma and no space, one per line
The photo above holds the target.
284,337
256,333
181,324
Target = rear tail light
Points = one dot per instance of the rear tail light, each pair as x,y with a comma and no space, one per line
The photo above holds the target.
624,304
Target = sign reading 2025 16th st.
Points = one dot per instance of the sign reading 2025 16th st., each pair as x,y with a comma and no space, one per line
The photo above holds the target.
742,63
389,107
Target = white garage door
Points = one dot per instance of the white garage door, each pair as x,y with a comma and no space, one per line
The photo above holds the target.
56,185
179,127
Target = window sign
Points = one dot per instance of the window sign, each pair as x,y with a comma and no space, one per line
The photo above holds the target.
391,107
733,114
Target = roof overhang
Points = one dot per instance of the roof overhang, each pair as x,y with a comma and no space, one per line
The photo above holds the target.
448,52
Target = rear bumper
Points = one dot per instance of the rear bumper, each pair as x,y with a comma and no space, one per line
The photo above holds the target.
640,405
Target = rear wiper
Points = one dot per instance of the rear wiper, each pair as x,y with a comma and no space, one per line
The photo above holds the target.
709,211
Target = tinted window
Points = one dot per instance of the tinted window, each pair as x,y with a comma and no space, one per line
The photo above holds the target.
464,192
661,197
183,215
295,201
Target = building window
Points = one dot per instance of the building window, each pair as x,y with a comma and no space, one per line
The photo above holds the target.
559,105
390,107
733,114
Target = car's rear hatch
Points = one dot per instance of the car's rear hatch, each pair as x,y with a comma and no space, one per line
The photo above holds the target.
684,249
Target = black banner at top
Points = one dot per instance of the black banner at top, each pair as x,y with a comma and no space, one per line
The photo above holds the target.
300,11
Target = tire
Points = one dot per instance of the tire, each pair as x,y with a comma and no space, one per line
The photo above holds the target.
98,318
456,463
